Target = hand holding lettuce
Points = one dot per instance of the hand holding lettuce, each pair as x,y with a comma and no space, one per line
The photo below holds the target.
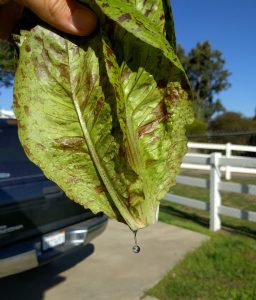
104,116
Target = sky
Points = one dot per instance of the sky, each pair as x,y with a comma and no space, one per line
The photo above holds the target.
230,26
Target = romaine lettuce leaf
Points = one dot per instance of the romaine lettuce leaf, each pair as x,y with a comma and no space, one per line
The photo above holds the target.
104,116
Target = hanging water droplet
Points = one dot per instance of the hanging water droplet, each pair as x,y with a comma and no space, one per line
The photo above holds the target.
136,249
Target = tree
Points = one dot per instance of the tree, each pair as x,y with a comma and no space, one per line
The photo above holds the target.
6,63
232,122
208,77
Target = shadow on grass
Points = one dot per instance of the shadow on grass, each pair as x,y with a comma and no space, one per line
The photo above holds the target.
204,221
188,216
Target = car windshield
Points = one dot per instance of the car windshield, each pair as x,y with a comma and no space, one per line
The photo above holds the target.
13,161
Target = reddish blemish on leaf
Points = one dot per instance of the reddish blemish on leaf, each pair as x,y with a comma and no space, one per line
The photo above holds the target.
27,150
73,180
40,146
173,94
125,17
28,48
64,71
160,111
26,110
100,189
99,105
109,51
147,128
150,162
16,100
71,143
147,12
110,64
126,73
138,23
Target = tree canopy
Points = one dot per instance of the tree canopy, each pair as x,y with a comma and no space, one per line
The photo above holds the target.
232,122
206,71
6,63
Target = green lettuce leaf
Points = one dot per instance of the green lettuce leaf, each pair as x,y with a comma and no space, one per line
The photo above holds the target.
104,116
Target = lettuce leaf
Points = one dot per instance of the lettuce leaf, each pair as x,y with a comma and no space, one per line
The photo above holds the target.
104,116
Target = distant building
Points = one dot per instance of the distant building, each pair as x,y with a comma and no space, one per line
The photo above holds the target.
7,114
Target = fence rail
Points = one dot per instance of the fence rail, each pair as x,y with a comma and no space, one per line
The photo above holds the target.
229,146
228,149
214,162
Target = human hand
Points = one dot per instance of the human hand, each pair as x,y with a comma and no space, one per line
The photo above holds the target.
66,15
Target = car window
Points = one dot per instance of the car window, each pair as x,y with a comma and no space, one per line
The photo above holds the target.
13,160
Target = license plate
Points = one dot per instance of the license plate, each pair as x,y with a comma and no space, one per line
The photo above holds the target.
53,239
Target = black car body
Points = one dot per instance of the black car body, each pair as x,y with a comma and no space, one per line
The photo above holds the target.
38,223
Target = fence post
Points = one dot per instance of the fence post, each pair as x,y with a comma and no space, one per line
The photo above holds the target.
215,197
228,169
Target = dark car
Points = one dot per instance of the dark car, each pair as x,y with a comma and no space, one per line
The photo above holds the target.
38,223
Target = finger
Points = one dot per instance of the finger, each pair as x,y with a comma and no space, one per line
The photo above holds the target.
10,14
66,15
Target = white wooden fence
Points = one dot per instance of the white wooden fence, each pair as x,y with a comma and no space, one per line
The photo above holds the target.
228,150
215,161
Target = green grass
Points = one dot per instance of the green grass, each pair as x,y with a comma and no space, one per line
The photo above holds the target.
224,267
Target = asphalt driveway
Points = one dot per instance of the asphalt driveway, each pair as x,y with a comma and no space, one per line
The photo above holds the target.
106,269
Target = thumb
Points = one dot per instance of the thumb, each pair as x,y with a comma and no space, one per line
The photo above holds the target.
10,14
66,15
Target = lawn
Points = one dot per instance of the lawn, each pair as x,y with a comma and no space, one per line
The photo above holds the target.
224,267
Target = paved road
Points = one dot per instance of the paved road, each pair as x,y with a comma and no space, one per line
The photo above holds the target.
106,269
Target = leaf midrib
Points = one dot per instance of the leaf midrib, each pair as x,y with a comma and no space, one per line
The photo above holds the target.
118,200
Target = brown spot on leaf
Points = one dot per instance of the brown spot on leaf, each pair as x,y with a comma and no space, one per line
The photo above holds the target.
64,71
160,111
99,105
147,12
139,23
28,48
92,78
40,146
109,51
26,110
20,125
173,94
125,17
100,189
126,73
71,143
105,5
26,149
39,39
147,128
46,56
134,199
16,100
150,162
73,180
110,64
